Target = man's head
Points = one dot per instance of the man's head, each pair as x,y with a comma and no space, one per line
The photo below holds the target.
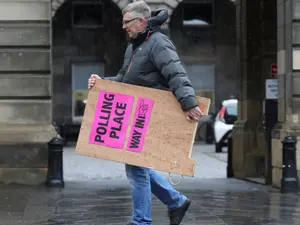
135,17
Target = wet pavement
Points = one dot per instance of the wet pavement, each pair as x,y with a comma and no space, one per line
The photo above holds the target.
215,202
78,167
97,193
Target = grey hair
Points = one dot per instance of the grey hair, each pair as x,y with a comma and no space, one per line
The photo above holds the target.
139,8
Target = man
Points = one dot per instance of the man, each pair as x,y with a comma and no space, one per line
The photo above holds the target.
151,61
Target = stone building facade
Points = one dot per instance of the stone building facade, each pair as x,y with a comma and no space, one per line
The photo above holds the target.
268,33
80,47
44,47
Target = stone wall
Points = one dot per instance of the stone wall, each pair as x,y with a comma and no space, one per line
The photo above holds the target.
256,52
288,13
25,91
210,45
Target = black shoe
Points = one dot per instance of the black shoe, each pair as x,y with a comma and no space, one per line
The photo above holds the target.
176,215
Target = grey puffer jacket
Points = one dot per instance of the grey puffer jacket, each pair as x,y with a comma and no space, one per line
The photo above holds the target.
151,61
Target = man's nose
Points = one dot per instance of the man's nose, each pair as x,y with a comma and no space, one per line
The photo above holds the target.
124,26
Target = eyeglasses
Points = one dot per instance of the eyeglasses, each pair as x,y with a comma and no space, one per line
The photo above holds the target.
128,21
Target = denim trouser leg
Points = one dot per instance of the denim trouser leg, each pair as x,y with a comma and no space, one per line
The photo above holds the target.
164,191
141,194
143,181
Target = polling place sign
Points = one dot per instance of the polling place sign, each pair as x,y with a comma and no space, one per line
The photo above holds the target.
138,126
112,117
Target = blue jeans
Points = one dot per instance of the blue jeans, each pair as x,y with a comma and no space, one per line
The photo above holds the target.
144,181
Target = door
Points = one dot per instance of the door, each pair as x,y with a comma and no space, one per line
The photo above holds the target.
81,71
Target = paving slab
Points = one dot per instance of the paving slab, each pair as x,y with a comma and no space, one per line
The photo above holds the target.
78,167
215,202
98,193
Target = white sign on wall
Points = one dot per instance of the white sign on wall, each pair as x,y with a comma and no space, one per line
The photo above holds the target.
271,89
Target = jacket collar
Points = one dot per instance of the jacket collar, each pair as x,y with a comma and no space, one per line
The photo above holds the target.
141,37
158,17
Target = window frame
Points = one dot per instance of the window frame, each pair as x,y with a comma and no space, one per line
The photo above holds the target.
212,2
88,2
83,60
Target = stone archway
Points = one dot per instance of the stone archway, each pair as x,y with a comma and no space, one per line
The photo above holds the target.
92,48
57,3
170,5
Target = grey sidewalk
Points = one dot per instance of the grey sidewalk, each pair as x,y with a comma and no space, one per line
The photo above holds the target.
216,202
98,193
77,167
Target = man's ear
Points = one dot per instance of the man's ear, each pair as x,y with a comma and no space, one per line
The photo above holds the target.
143,22
140,20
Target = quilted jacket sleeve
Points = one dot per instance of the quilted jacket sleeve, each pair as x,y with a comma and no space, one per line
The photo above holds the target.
118,77
122,71
165,58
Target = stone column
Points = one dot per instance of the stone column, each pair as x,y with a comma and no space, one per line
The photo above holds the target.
289,83
25,90
256,52
250,87
269,57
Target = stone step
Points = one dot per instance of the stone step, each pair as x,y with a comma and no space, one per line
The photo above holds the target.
18,134
25,85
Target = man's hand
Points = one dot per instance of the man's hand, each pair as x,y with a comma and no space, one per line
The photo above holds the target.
92,80
194,114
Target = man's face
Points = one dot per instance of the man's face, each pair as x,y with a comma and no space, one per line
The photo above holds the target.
133,25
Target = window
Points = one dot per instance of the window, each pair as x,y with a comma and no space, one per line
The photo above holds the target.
198,14
232,109
231,114
296,9
87,14
80,75
202,77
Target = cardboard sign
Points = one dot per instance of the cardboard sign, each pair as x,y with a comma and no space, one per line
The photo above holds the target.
111,119
138,126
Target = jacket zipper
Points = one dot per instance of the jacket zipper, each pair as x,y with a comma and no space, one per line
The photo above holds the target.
130,64
131,60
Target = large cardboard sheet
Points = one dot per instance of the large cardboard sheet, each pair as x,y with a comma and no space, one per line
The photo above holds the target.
138,126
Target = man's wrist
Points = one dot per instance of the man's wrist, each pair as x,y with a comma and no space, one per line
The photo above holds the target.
189,103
